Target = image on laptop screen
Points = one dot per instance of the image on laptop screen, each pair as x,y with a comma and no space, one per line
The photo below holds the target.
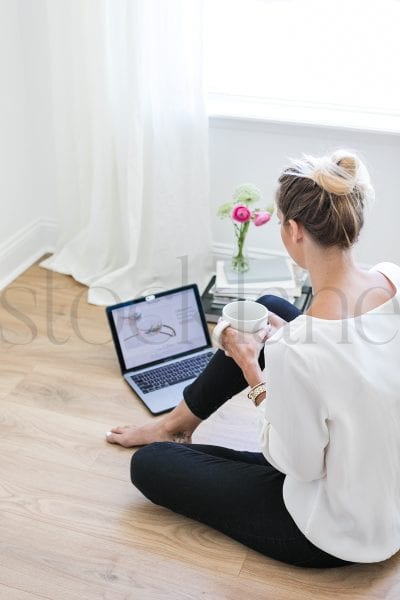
161,328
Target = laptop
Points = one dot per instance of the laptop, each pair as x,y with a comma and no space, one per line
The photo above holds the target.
162,343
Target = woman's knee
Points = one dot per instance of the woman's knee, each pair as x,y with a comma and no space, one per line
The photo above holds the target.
154,472
273,302
145,463
280,306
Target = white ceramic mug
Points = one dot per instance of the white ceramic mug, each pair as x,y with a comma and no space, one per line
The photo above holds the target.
243,315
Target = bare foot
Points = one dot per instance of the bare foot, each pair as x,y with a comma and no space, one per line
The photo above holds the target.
146,434
177,426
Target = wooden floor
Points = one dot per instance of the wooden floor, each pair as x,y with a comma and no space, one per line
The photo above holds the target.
72,525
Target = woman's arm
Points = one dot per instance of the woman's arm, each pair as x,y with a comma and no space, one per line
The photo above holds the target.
294,431
245,349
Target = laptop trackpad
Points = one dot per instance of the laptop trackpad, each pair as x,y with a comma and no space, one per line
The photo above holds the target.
163,399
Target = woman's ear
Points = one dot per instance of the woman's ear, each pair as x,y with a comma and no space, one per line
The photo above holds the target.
295,230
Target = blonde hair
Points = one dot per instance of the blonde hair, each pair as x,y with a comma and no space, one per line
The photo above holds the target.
327,195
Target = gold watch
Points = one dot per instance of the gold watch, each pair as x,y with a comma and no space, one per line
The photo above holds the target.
255,391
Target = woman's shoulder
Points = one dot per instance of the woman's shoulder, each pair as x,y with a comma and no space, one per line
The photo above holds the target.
293,333
389,269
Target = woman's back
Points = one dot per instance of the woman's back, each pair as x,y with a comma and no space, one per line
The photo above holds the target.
353,295
337,416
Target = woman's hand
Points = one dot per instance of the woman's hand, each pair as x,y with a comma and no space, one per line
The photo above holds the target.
275,322
244,348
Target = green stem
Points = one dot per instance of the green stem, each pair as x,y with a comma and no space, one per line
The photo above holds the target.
242,236
239,261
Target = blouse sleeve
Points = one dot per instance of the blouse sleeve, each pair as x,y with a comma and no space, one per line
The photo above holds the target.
294,432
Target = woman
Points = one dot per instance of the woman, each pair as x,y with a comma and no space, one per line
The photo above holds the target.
325,490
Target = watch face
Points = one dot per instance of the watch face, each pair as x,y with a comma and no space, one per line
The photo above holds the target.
256,391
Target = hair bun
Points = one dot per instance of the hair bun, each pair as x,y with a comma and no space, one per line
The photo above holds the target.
339,174
348,162
334,218
336,174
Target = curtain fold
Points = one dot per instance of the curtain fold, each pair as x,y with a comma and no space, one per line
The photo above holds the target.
131,139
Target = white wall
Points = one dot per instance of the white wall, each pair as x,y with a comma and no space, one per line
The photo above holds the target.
27,184
248,151
240,151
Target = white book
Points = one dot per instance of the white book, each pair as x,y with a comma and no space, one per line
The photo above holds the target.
222,286
271,268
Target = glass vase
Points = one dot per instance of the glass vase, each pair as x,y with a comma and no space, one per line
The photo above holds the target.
240,262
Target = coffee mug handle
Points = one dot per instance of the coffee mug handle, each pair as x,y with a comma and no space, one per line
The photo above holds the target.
218,329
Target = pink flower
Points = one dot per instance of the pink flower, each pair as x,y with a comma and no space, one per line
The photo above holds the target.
241,213
261,217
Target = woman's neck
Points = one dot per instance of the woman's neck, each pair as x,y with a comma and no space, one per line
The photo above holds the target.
336,282
331,269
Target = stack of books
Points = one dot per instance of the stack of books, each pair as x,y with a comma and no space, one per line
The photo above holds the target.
272,275
267,276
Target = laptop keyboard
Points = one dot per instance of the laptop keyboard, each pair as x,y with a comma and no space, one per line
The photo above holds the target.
161,377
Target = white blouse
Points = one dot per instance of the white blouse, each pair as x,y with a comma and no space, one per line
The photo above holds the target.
331,423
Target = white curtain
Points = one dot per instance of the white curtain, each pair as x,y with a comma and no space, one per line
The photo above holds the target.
131,145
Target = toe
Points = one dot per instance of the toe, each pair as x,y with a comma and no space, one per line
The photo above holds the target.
115,437
110,437
119,429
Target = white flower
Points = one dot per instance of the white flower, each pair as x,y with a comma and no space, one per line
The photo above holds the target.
247,193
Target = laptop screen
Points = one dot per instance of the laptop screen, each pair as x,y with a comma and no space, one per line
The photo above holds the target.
158,327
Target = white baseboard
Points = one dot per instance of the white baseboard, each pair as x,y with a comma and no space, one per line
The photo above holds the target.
25,247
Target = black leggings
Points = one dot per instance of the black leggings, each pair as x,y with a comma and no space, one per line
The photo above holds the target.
239,493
